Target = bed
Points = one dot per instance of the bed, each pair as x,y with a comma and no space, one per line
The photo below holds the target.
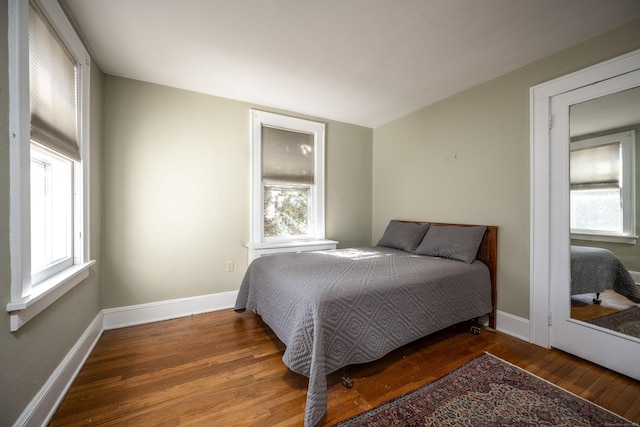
340,307
594,270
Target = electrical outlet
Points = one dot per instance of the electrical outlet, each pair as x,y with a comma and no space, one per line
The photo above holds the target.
229,266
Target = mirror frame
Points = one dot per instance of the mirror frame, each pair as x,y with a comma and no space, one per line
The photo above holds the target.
540,171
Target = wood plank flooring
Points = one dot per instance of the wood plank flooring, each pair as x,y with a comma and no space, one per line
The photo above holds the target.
583,308
225,369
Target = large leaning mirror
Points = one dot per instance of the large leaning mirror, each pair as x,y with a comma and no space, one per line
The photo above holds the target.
604,212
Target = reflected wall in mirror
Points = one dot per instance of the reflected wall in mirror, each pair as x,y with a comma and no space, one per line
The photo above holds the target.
605,211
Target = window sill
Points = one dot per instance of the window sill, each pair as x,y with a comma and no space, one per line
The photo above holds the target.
257,250
291,244
45,294
631,240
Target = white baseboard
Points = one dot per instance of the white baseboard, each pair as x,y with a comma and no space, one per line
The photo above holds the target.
163,310
635,275
44,404
512,325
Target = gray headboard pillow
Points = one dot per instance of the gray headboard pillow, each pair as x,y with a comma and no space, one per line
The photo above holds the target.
403,235
452,241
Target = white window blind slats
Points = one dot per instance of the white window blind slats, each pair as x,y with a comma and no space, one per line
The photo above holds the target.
287,157
52,79
596,167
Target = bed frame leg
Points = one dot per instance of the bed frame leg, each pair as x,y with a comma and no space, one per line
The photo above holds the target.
345,380
597,299
475,328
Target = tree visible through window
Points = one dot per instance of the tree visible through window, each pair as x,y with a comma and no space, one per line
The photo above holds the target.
286,210
288,178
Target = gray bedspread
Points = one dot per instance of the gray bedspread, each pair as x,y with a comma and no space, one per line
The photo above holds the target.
336,308
594,270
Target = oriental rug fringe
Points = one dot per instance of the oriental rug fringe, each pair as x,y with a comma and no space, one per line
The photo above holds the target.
487,391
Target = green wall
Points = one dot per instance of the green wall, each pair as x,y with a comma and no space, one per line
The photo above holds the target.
29,356
466,159
176,205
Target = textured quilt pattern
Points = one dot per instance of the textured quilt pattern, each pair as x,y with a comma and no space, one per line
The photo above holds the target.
596,270
336,308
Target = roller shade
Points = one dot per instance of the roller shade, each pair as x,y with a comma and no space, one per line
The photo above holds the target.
596,167
52,82
287,156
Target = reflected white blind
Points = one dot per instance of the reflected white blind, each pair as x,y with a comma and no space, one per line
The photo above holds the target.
596,167
52,82
287,156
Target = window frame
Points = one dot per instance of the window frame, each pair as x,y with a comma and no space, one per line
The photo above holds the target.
58,265
628,164
317,220
28,300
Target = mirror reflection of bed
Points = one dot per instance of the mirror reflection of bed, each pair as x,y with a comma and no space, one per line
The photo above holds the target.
605,164
603,291
583,308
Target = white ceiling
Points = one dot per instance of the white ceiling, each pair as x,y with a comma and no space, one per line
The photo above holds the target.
359,61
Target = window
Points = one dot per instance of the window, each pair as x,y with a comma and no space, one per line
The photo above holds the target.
49,102
602,187
287,178
51,214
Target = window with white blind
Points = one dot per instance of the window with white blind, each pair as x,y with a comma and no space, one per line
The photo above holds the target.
287,178
54,148
49,112
602,187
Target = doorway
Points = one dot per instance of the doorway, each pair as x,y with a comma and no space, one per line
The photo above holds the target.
551,321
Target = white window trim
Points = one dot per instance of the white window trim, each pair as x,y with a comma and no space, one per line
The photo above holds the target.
26,302
627,143
258,118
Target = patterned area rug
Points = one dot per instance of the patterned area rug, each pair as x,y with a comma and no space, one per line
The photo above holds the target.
487,392
626,322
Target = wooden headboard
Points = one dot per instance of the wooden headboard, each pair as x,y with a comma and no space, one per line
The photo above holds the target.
488,254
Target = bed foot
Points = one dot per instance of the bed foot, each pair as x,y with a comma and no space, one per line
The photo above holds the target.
475,327
345,380
597,299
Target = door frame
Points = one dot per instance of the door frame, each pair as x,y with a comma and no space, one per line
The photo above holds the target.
541,239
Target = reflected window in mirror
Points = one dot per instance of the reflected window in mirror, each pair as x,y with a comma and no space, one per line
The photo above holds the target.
602,187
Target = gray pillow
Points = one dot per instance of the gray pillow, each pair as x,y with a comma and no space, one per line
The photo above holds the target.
452,241
403,235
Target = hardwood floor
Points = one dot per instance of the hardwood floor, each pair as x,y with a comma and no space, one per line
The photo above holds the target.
225,369
583,308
